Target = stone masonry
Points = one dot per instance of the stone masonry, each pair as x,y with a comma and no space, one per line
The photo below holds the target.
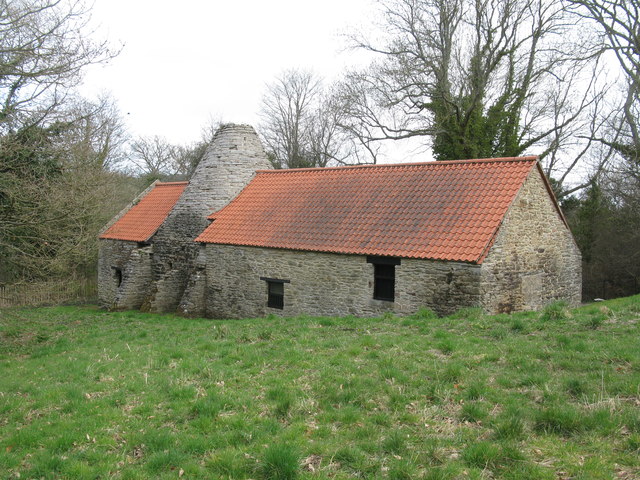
124,274
330,284
534,259
124,268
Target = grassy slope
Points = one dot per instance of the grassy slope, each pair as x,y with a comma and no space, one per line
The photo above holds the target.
87,394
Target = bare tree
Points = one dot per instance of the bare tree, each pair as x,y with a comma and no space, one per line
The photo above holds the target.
287,111
54,147
303,125
476,78
154,156
44,46
94,134
618,24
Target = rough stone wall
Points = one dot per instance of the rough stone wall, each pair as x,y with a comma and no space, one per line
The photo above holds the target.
330,284
230,163
193,302
134,263
534,259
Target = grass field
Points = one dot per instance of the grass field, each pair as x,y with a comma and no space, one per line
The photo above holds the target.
550,395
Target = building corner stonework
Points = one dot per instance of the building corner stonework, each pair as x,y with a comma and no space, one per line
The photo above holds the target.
534,259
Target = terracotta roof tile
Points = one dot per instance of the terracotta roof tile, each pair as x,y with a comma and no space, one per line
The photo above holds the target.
142,220
438,210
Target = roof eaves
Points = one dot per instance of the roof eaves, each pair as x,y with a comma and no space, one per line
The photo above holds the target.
340,252
552,195
131,204
138,199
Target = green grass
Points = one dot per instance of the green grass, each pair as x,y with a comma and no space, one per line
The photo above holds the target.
90,394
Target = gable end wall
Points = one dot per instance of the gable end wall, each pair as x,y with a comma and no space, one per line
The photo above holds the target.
534,259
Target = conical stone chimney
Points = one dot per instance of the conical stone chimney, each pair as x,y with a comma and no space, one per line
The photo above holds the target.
229,164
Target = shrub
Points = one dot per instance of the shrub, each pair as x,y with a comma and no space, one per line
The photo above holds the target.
488,455
453,372
348,456
219,332
229,464
595,321
265,335
633,443
387,316
555,312
441,473
446,346
283,400
517,325
401,470
209,406
509,425
481,455
165,460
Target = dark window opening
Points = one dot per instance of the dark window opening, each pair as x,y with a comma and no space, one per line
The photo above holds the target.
384,285
384,277
276,295
117,275
275,292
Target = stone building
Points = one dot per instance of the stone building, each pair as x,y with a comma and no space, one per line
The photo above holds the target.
242,240
147,255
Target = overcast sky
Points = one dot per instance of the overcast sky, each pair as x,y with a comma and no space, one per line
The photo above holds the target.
185,62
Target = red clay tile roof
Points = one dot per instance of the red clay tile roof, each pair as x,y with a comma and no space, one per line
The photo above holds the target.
438,210
143,219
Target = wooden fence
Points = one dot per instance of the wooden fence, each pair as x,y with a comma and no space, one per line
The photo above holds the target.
71,291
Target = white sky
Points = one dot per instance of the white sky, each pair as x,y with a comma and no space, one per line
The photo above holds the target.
186,62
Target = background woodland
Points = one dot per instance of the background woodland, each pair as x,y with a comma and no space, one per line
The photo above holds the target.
456,78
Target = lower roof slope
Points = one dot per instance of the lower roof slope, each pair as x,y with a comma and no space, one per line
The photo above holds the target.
144,218
437,210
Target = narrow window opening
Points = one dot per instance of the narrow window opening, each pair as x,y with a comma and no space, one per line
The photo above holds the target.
384,277
117,275
384,287
275,292
276,295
